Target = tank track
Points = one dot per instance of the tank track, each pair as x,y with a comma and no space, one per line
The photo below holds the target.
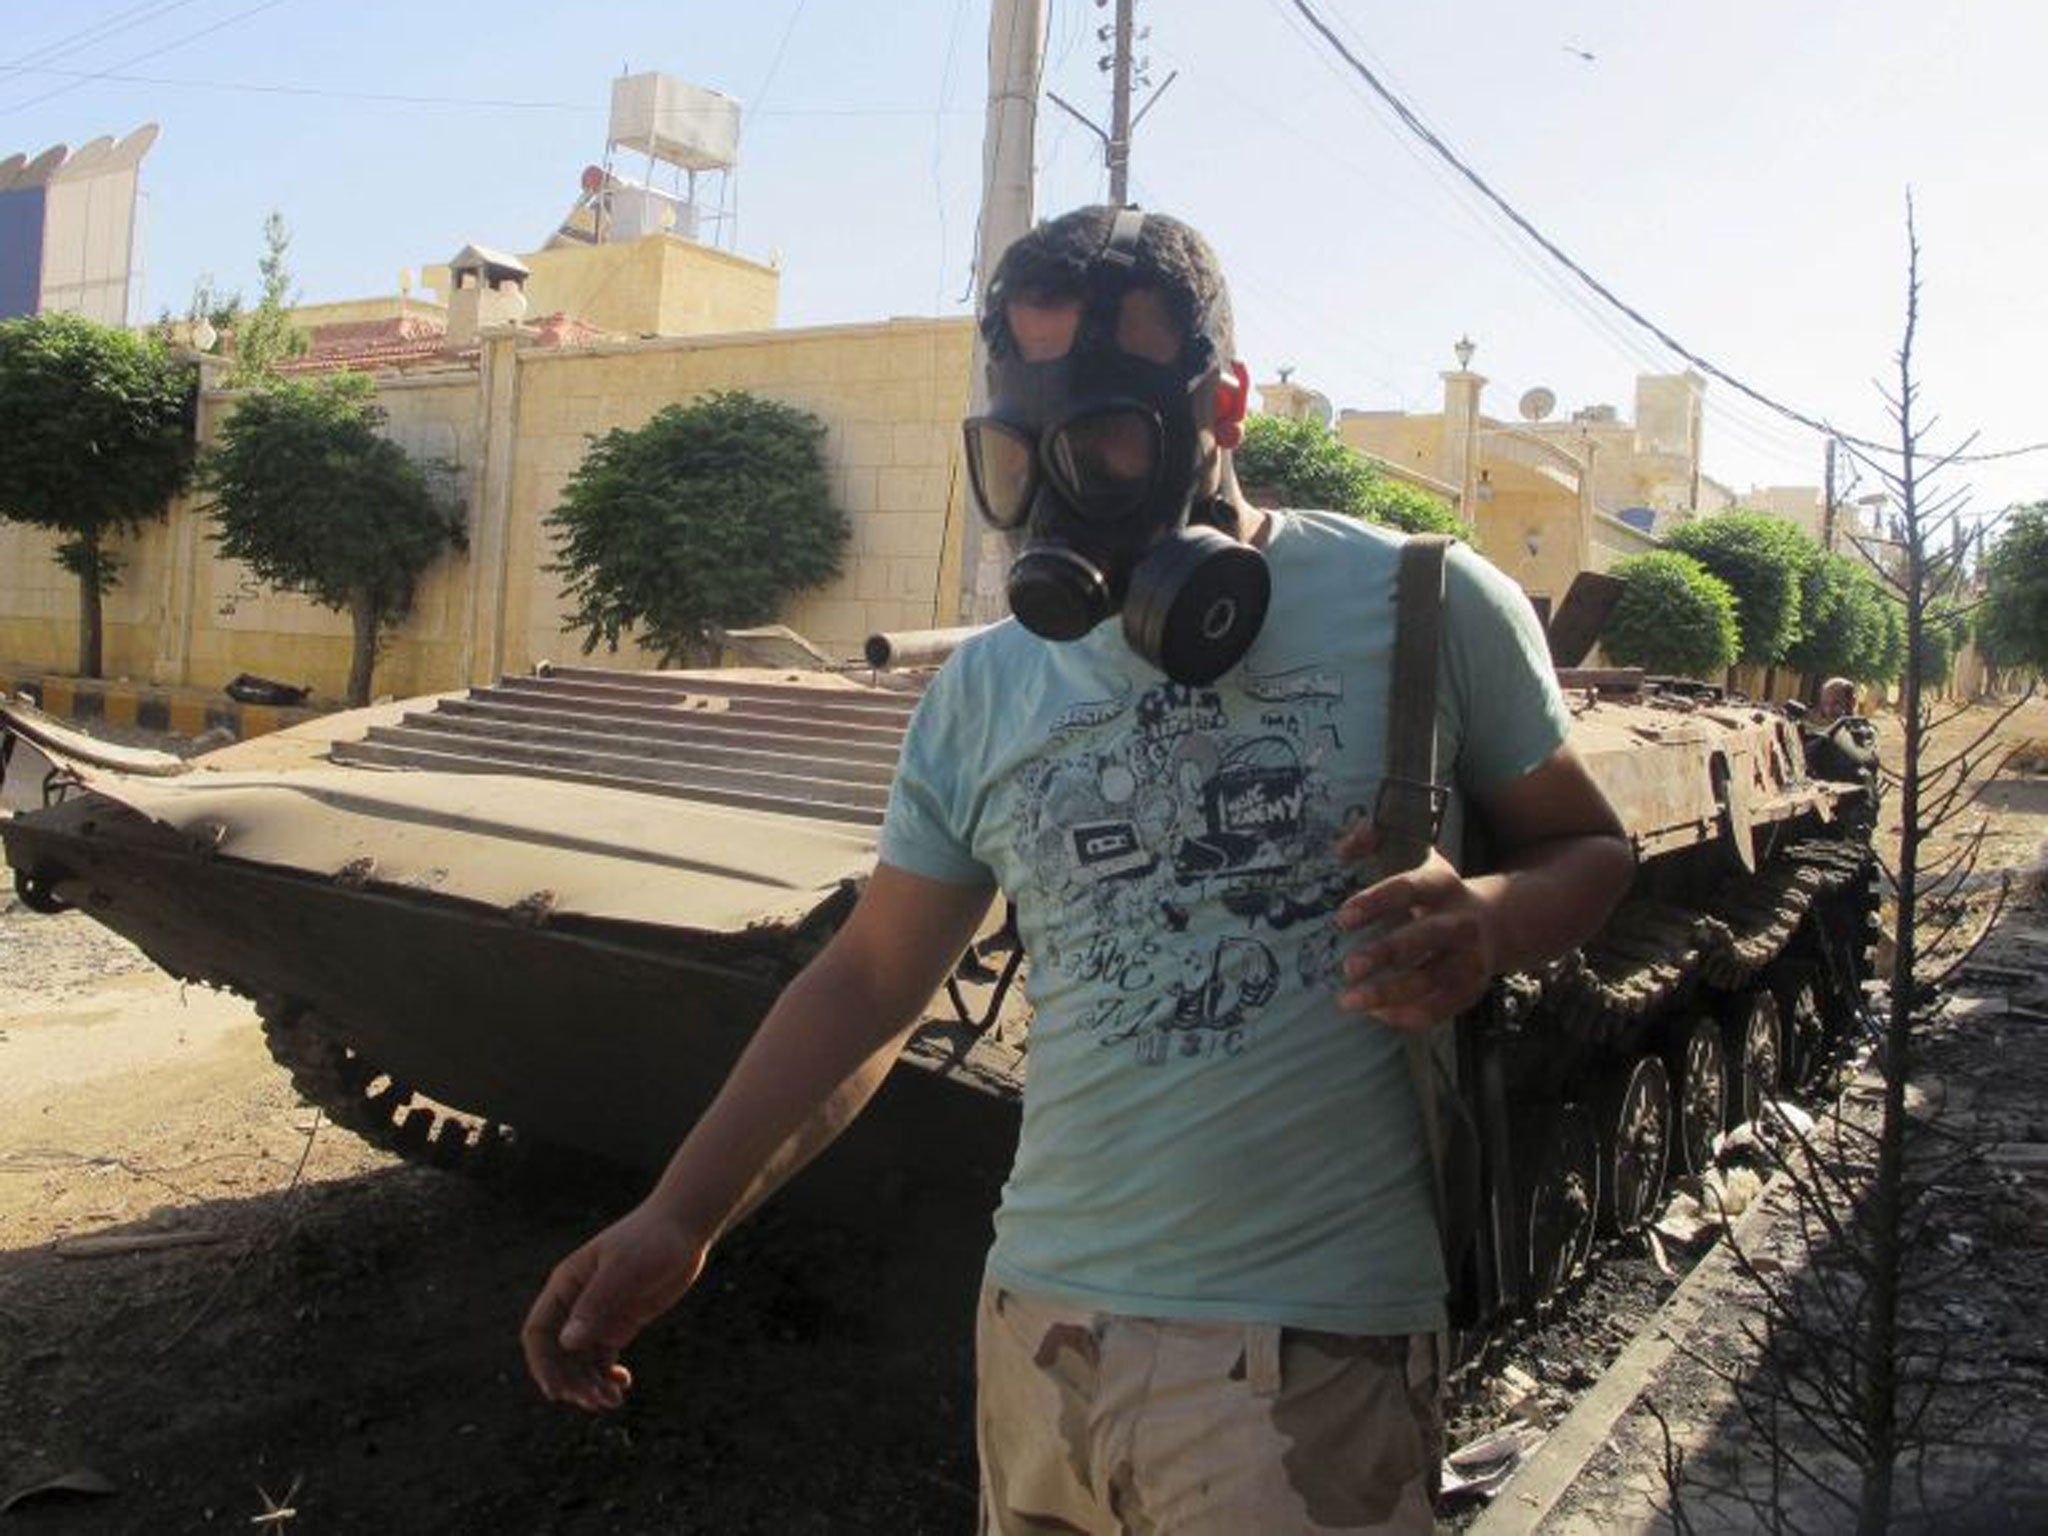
1652,951
358,1096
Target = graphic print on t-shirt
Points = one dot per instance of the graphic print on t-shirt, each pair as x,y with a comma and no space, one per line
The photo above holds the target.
1148,810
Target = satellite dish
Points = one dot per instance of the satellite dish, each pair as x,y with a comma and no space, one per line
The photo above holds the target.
1319,408
1537,404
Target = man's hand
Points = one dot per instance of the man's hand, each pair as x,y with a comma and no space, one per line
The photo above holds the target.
1437,949
1564,865
823,1049
597,1301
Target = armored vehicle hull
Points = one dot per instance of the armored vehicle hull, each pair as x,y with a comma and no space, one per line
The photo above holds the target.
559,905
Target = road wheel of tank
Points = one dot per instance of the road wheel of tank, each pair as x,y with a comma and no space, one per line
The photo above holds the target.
37,894
1796,986
1702,1093
359,1096
1564,1202
1636,1126
1755,1040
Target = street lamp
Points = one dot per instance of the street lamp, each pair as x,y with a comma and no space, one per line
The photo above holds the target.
1463,352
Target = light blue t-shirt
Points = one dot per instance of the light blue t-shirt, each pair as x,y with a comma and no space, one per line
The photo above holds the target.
1206,1135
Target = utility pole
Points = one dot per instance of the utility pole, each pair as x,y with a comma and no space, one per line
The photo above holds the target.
1119,145
1121,66
1016,53
1827,539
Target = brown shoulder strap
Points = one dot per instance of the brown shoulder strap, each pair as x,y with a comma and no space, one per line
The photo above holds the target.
1410,809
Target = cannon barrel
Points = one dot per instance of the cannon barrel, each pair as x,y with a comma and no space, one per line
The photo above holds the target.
917,647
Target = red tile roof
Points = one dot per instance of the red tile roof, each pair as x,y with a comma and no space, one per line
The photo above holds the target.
377,346
414,341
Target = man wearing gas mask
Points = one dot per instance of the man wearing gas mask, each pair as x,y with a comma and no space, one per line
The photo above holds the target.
1215,1285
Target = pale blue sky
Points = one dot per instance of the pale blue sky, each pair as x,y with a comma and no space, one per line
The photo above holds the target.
1736,169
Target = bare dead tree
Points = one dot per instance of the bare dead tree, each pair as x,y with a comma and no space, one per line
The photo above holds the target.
1891,1409
1844,1379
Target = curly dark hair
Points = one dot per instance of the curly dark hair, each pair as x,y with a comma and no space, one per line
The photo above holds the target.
1053,262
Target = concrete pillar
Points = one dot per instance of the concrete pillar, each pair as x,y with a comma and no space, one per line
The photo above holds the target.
490,502
1587,450
182,582
1458,454
1016,52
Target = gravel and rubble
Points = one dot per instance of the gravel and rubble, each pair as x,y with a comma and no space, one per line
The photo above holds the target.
1978,1331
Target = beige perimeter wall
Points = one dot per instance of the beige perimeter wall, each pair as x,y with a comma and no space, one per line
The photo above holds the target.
505,436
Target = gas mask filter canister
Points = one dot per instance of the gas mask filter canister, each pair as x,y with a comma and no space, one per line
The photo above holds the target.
1094,454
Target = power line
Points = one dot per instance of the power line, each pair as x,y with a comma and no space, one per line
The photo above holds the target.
150,53
1625,343
1621,341
97,32
1462,217
938,150
1423,131
395,98
1765,437
775,64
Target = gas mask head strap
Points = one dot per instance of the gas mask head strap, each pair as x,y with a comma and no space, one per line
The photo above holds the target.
1109,278
1120,249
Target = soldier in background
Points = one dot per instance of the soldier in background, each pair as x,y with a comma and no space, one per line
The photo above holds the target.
1837,702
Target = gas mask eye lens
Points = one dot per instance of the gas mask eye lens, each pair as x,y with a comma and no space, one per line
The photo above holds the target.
1001,463
1106,462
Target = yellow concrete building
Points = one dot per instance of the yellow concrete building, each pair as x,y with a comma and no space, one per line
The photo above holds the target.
505,406
1551,497
658,285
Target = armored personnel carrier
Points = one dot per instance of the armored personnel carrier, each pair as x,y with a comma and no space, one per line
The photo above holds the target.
553,908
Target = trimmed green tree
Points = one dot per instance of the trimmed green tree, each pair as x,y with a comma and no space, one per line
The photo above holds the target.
2012,626
1397,504
95,440
1675,617
310,497
1843,621
1304,464
1946,630
1891,662
707,518
1764,561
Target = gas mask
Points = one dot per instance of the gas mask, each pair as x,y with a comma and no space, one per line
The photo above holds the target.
1094,457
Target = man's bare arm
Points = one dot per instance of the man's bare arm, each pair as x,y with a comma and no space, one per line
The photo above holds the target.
815,1061
824,1048
1565,861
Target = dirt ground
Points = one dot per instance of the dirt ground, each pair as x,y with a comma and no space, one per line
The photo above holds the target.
339,1337
336,1335
1977,1315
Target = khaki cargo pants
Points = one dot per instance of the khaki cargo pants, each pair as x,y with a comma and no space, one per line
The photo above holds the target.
1111,1425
